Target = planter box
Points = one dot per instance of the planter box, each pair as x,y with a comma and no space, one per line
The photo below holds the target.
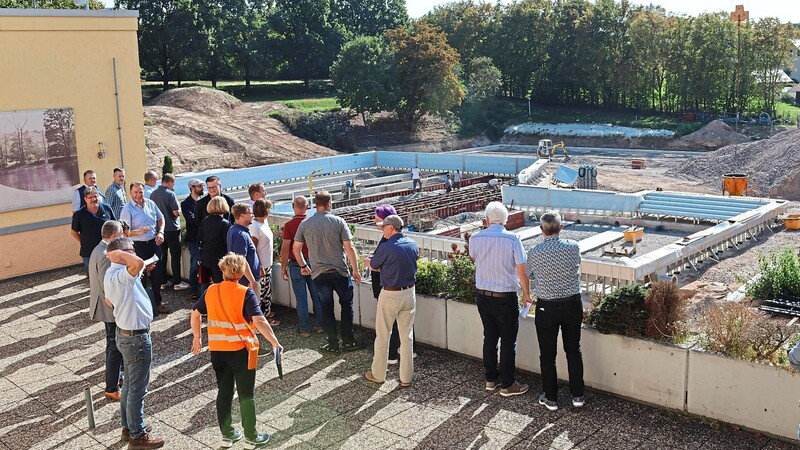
464,329
368,306
430,322
643,370
281,290
756,396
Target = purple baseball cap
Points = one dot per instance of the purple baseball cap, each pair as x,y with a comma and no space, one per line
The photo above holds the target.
385,211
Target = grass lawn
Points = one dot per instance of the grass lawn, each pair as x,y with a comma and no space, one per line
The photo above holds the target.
310,105
787,111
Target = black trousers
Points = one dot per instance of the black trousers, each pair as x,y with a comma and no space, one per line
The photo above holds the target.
145,250
231,371
552,315
172,243
500,317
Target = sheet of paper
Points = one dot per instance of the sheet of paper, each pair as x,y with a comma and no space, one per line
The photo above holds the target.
526,308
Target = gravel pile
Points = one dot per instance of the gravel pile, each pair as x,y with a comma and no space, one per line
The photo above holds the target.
773,165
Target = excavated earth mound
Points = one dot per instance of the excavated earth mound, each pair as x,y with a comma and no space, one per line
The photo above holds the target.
772,165
712,136
201,128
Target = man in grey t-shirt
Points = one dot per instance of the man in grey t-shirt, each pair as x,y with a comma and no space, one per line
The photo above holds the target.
328,240
164,197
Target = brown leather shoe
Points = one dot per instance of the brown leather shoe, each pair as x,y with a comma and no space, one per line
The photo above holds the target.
147,441
126,433
162,309
113,396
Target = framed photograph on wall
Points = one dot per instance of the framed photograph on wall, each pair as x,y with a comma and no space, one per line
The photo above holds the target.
38,158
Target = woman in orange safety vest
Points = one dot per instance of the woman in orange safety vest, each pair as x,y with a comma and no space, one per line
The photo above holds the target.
233,314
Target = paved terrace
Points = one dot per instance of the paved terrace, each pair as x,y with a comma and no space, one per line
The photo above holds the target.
50,352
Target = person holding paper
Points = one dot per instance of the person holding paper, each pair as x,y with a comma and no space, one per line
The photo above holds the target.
147,234
554,266
499,271
233,314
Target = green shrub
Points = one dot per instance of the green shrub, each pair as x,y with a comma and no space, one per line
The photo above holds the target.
461,279
780,275
621,312
328,129
431,277
167,167
277,241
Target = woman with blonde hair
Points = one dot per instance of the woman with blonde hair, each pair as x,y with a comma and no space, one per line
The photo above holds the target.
233,315
212,239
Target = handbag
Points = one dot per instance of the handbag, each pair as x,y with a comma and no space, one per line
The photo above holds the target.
251,345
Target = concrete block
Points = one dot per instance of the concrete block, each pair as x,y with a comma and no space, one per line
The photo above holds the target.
430,323
643,370
755,396
464,329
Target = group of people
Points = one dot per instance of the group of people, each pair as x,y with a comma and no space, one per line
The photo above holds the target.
231,248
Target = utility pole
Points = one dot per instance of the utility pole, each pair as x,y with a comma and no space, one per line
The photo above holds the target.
738,15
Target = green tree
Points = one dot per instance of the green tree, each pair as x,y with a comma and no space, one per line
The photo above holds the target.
770,49
484,79
426,67
467,25
59,130
365,77
169,35
309,39
369,17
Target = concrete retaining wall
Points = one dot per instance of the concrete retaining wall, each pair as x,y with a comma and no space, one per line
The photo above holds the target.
756,396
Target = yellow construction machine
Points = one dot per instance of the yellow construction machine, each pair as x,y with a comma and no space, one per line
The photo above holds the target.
547,150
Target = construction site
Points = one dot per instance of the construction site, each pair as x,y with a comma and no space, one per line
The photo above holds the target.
635,220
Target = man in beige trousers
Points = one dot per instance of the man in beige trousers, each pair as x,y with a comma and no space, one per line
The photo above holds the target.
396,259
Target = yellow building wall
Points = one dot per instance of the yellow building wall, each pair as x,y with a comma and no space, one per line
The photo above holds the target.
57,59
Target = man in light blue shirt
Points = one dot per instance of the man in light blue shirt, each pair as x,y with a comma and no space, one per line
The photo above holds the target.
147,234
150,179
132,313
499,272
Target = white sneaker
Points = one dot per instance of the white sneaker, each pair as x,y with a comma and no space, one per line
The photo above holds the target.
181,286
415,355
393,362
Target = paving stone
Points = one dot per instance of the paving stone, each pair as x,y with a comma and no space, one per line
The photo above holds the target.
12,394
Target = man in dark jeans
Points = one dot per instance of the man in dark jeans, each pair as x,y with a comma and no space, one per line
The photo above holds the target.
328,239
499,272
554,267
164,197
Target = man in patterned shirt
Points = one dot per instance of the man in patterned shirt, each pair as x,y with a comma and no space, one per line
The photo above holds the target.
554,268
115,194
499,272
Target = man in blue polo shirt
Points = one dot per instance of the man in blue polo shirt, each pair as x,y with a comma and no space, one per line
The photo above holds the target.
240,242
132,313
87,222
396,258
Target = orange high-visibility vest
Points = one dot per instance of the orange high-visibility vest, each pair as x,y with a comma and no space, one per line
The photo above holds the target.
227,328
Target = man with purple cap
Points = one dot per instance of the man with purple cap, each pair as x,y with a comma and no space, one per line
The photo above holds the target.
382,212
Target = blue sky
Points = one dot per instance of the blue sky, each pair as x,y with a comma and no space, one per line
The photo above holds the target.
785,10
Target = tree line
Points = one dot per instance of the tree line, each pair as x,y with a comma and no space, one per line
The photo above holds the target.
605,53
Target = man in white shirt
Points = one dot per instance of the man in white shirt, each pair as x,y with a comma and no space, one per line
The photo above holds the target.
416,179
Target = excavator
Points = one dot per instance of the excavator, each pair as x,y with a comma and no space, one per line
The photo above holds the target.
547,150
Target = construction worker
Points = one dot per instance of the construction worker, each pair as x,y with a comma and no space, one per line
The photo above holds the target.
416,179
